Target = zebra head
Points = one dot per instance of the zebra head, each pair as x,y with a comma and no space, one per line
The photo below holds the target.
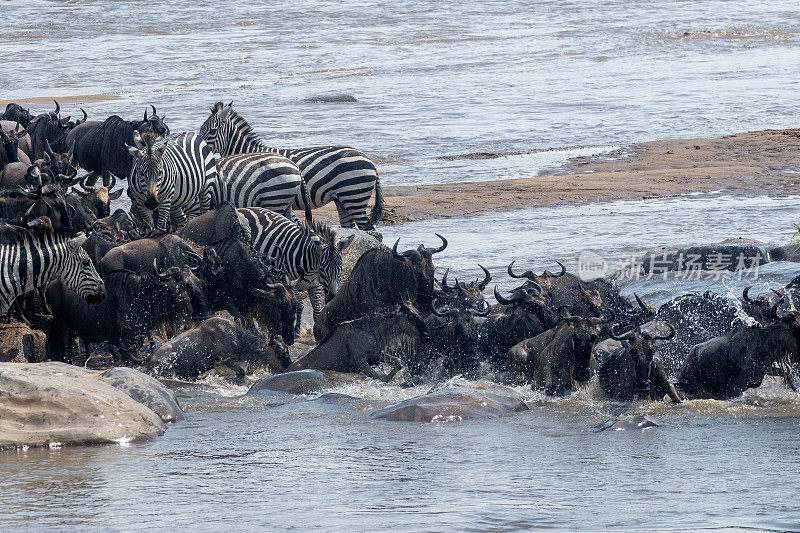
330,259
219,129
79,273
147,171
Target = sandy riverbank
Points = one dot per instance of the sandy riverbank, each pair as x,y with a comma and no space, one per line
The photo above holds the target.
752,163
77,99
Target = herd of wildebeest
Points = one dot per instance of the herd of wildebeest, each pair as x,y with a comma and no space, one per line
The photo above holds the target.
114,280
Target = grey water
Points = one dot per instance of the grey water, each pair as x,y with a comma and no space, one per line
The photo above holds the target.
435,79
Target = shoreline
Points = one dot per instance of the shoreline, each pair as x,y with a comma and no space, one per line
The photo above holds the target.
744,164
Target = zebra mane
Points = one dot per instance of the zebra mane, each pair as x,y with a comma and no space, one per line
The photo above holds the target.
317,229
241,123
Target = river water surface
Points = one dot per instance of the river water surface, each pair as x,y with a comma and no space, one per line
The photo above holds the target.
434,79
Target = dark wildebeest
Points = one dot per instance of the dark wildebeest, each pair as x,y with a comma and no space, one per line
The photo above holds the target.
526,314
216,225
380,280
100,147
167,250
567,290
24,205
16,113
464,294
134,306
56,166
9,148
632,372
19,174
453,344
356,345
99,244
724,367
217,341
97,200
561,356
122,222
50,127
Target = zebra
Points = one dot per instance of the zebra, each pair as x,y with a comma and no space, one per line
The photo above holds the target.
337,174
259,180
32,257
308,252
168,175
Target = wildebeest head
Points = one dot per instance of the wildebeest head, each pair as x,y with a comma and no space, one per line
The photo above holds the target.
147,171
55,164
467,295
10,144
330,257
97,200
278,310
219,128
419,264
16,113
640,348
48,201
153,124
50,127
585,331
527,300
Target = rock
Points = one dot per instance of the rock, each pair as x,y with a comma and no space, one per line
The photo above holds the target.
330,98
48,404
624,424
306,381
21,344
363,241
454,404
145,390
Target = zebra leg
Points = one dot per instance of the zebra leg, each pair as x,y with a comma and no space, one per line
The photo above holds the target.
345,220
177,218
164,212
205,201
317,297
298,313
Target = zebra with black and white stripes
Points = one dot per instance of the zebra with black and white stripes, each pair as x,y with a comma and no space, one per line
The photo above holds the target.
308,253
31,258
337,174
168,175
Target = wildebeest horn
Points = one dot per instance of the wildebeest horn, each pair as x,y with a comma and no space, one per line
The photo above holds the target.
551,275
47,149
407,253
601,320
154,109
516,297
145,114
81,121
165,274
478,312
113,182
440,248
776,292
194,259
416,320
459,288
230,104
627,336
528,274
269,292
745,295
58,109
488,277
445,314
445,288
534,285
83,185
581,288
668,336
641,303
564,313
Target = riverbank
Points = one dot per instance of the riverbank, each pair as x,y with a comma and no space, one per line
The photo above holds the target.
746,164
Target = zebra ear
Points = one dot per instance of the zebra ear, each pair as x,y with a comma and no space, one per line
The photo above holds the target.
135,152
77,242
225,112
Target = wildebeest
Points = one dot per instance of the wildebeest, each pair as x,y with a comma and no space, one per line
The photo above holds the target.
55,166
97,200
99,147
167,250
632,371
469,294
135,305
16,113
20,174
24,205
9,148
356,345
567,290
50,127
216,225
99,244
122,222
217,341
380,280
561,356
724,367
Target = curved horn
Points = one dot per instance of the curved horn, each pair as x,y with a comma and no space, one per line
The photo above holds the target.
445,287
627,336
478,312
194,259
776,292
600,320
407,253
113,182
440,248
165,274
551,275
668,336
745,295
83,185
528,274
154,109
460,289
564,314
515,297
445,314
145,114
642,304
81,121
58,109
47,149
487,278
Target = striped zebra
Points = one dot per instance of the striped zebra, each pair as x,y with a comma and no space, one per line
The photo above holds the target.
31,258
168,175
259,180
308,253
335,174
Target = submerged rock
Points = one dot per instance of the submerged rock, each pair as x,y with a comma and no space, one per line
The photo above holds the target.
306,381
624,424
49,404
454,404
328,98
145,390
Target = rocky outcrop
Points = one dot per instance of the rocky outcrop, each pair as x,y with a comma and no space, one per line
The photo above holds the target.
48,404
363,241
454,404
21,344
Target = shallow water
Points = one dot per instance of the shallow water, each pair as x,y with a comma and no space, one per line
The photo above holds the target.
432,80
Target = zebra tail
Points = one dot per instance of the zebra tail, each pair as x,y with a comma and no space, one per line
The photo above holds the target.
306,200
377,210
